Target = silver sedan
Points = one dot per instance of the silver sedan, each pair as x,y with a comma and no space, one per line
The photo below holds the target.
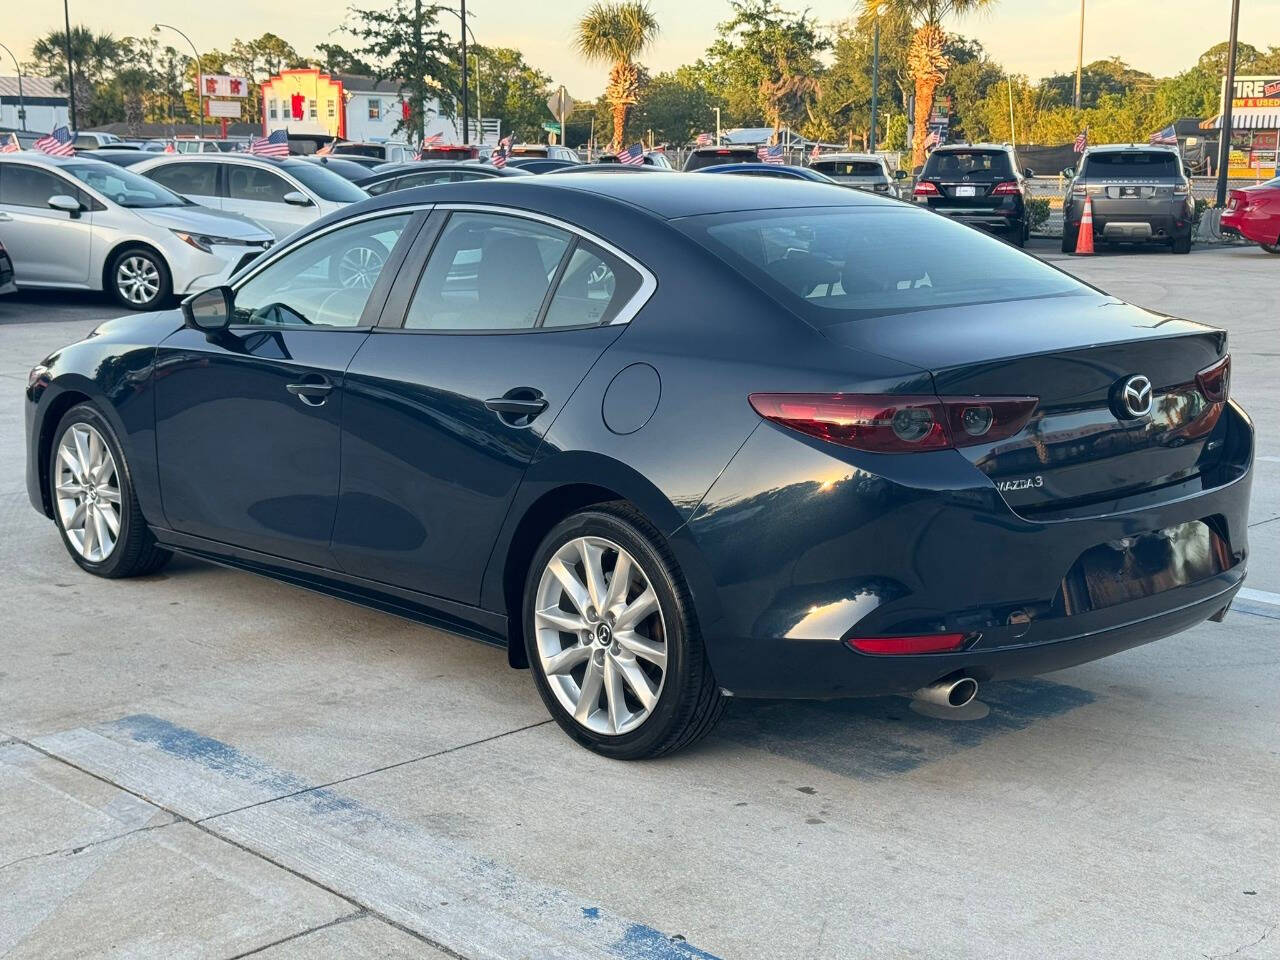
83,224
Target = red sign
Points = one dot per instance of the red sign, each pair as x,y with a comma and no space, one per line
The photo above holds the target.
1272,89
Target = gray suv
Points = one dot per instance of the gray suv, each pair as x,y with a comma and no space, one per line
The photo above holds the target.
862,171
1140,194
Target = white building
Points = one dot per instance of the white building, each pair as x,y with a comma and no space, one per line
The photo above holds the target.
46,107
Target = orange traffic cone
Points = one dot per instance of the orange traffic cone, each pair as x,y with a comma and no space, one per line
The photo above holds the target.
1084,239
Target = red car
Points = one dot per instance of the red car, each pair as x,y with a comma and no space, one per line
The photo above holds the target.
1254,213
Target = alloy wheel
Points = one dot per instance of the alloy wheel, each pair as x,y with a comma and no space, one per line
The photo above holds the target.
359,267
601,636
138,279
88,492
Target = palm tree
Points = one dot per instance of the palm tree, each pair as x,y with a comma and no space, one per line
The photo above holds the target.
617,33
926,58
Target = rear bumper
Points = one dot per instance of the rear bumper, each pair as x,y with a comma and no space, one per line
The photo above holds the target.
801,545
1133,221
1256,229
999,222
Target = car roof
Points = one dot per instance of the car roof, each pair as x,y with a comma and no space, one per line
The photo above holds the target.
1130,147
392,170
743,147
848,156
667,197
948,147
47,160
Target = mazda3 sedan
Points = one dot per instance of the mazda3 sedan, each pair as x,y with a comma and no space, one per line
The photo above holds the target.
670,440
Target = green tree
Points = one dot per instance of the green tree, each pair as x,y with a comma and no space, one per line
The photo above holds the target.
95,55
504,85
1097,79
617,33
404,43
678,105
927,60
336,58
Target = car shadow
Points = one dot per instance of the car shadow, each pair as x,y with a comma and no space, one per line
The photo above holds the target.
878,737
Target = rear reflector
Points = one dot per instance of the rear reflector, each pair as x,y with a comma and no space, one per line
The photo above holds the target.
896,424
1215,381
926,643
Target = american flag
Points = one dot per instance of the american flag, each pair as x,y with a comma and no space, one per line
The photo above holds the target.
771,154
1168,136
11,145
632,156
932,140
56,144
1082,141
499,157
815,153
432,141
170,148
704,140
325,150
276,145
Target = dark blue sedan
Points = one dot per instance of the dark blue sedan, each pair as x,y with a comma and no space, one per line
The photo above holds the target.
670,439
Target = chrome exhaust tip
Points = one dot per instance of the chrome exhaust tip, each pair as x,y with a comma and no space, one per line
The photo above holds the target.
952,693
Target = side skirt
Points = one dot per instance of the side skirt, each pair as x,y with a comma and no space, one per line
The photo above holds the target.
460,618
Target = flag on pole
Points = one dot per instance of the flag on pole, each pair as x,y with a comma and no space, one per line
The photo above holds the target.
771,154
704,140
933,140
56,144
1082,141
499,157
435,140
276,145
1167,137
632,156
11,145
170,148
815,153
326,149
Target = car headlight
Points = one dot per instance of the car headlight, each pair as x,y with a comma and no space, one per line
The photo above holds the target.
37,373
204,242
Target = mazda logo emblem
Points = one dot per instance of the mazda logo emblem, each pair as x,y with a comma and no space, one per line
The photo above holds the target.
1135,397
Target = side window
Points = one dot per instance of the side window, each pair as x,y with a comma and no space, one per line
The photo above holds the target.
487,272
198,179
594,287
253,183
23,186
323,282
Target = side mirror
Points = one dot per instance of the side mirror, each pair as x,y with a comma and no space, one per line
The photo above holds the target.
1028,172
297,198
66,204
209,311
1068,172
899,174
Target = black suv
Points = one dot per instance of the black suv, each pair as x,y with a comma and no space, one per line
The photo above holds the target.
701,157
1140,194
979,184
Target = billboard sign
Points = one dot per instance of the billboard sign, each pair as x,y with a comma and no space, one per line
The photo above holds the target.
219,85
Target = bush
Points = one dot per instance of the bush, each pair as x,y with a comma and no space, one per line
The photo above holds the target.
1038,210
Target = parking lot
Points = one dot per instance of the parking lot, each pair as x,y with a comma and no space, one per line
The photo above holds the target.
202,763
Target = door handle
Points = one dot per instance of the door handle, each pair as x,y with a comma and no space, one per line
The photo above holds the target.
519,406
311,392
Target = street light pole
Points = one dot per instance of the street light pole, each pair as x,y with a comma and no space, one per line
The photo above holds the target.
1080,56
71,76
466,133
22,104
875,84
717,110
199,73
1228,93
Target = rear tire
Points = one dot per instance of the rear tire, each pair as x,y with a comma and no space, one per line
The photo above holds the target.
622,682
1068,240
1271,247
139,279
94,504
1182,244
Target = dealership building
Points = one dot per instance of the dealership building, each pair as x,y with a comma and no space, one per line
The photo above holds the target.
1255,125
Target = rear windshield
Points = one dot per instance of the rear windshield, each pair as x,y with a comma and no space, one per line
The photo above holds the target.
327,184
709,158
974,164
848,168
1143,164
836,265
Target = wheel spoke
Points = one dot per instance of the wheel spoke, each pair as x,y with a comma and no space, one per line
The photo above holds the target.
112,521
68,456
82,451
566,659
592,555
70,489
639,682
619,581
90,533
614,695
78,517
109,494
101,531
654,652
557,618
589,694
572,585
639,608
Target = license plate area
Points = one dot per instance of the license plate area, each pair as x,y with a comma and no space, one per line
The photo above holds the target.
966,191
1126,192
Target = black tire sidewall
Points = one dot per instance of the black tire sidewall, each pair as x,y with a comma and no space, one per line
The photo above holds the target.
672,704
166,279
130,518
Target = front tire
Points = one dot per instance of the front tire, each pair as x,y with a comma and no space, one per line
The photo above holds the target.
94,505
612,638
1182,244
139,279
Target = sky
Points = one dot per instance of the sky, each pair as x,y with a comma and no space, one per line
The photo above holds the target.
1034,38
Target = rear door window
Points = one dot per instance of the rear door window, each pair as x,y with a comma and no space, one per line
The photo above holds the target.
189,179
24,186
1136,164
981,165
253,183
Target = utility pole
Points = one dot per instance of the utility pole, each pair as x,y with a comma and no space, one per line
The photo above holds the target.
199,73
71,74
1080,56
466,132
22,104
1228,93
717,110
875,84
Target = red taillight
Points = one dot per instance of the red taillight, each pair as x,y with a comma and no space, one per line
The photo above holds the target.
1007,189
925,643
896,424
925,189
1215,381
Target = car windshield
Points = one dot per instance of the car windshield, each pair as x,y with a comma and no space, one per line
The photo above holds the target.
1136,163
974,164
848,168
836,265
326,184
123,186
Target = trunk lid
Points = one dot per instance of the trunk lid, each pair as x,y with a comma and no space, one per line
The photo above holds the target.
1076,354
